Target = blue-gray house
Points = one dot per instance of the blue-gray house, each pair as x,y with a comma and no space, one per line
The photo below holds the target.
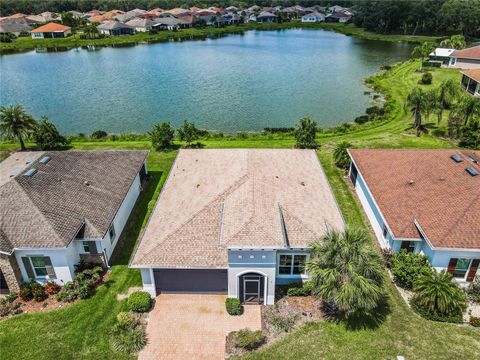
424,201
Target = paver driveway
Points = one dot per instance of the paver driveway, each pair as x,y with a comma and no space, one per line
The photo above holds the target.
184,326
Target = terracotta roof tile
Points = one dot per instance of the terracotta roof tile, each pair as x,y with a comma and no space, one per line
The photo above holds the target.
473,74
469,53
428,187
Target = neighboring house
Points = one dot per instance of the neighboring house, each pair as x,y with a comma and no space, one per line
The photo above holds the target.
423,201
338,17
140,24
466,58
471,81
264,17
115,28
167,23
57,207
14,27
313,17
236,221
441,55
51,30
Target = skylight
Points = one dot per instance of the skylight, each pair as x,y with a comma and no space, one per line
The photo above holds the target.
44,159
30,172
457,158
472,171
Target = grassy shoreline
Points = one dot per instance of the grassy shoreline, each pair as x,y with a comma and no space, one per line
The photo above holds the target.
26,43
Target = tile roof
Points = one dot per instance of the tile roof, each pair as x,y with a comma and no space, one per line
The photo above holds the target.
427,187
473,74
469,53
51,27
229,198
73,188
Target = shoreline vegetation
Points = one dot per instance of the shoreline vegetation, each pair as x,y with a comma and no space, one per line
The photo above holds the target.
27,43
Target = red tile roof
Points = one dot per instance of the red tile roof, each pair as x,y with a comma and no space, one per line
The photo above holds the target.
426,187
473,74
51,27
470,53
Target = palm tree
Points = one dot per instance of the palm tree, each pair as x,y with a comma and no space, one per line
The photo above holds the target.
340,154
469,106
418,103
455,42
16,122
447,92
346,271
439,292
422,51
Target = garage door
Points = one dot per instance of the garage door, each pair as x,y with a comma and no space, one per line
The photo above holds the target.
191,280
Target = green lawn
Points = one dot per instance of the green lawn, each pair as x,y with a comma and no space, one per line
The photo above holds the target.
23,43
81,330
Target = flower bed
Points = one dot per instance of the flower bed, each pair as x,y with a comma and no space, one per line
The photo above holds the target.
35,297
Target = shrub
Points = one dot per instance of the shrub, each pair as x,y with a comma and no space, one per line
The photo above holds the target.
340,154
99,134
373,111
4,308
52,288
39,293
85,290
26,291
126,320
162,135
83,265
434,315
188,132
127,340
139,301
387,255
426,79
407,267
248,339
440,132
233,306
300,289
67,293
362,119
280,322
473,290
475,321
11,297
305,134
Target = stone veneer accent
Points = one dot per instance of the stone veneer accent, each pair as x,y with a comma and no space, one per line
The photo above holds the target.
11,272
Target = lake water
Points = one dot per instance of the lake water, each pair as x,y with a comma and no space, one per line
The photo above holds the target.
233,83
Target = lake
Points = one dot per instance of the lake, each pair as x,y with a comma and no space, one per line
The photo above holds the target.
233,83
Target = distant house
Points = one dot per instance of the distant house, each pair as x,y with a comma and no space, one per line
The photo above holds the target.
338,17
51,30
167,23
423,201
15,27
466,58
441,55
265,17
313,17
471,81
115,28
58,207
339,9
140,24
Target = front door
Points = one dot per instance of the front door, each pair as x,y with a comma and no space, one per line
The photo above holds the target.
251,286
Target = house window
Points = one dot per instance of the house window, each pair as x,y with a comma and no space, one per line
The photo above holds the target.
292,264
111,232
90,247
39,265
461,268
453,61
385,231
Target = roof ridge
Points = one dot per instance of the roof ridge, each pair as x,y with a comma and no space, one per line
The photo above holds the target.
300,221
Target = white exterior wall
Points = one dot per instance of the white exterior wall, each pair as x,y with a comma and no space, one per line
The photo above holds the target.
459,63
63,261
148,281
121,218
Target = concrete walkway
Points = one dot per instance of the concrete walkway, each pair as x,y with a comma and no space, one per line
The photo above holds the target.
185,326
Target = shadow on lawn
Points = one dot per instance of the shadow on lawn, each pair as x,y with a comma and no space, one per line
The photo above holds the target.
369,319
132,231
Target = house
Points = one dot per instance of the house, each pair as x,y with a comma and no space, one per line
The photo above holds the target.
58,207
466,59
313,17
236,221
264,17
167,23
51,30
339,9
423,201
441,55
338,17
115,28
15,27
471,81
140,24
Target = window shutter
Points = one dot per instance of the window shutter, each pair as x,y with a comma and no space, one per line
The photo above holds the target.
473,269
451,265
28,267
93,247
49,267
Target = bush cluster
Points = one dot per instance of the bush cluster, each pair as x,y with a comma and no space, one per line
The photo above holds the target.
456,317
475,321
473,290
139,301
248,339
233,306
426,79
127,335
33,290
279,321
300,289
83,286
7,305
407,267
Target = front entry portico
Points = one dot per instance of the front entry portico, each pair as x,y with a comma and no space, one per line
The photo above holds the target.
252,288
